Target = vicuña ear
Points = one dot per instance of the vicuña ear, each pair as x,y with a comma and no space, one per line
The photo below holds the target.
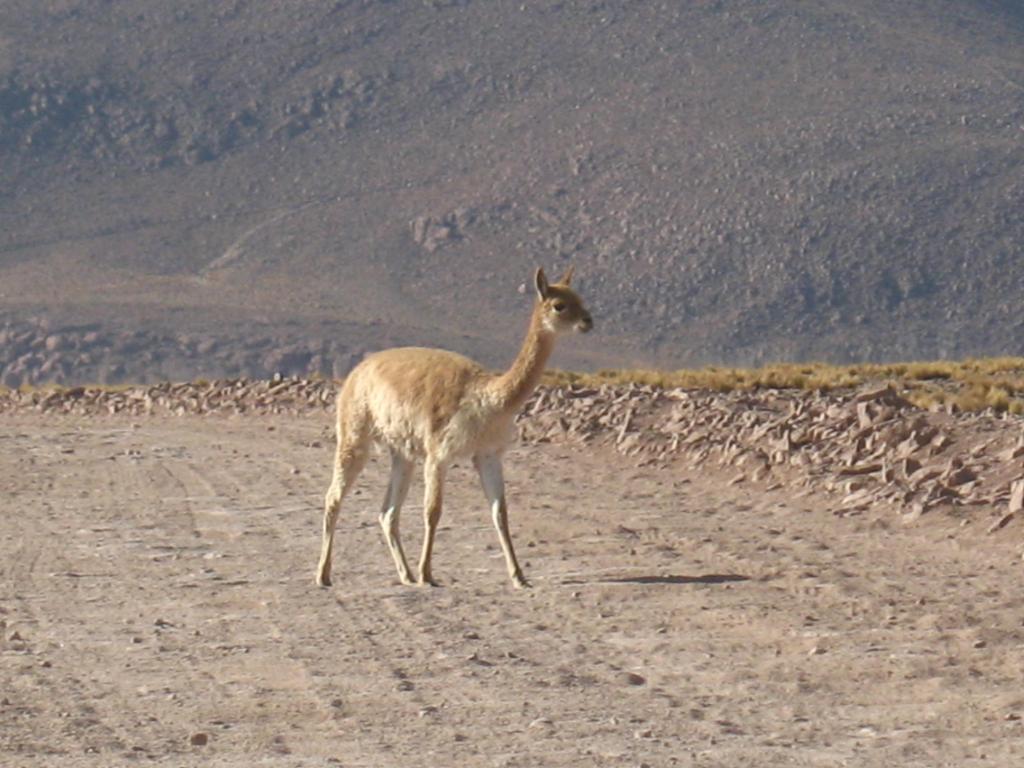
567,277
541,281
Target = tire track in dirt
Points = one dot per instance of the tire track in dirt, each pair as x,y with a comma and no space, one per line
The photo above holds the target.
244,654
364,688
447,636
396,647
673,618
69,568
287,682
828,601
732,548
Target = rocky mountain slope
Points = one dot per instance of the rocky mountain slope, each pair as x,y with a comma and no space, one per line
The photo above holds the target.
243,187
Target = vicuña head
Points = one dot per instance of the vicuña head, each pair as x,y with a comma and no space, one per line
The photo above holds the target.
441,406
562,308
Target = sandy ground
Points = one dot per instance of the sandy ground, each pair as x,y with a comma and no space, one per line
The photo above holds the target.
156,590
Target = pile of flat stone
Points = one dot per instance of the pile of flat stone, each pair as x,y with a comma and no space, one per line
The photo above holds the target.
222,396
858,449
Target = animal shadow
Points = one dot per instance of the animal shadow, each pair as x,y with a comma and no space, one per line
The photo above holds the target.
707,578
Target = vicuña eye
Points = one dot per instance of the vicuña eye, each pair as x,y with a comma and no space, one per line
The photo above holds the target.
558,306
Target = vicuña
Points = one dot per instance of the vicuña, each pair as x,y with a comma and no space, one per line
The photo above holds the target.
441,406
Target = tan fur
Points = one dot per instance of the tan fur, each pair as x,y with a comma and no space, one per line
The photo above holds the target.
441,406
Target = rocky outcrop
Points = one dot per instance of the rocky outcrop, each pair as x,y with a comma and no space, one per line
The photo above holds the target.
858,449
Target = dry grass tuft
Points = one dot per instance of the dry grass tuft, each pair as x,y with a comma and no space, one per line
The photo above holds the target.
970,385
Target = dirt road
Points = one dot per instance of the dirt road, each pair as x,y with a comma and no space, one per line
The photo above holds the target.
157,607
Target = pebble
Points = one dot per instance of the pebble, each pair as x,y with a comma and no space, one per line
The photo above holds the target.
199,739
631,678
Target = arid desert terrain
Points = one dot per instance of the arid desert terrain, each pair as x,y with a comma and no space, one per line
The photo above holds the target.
157,603
209,212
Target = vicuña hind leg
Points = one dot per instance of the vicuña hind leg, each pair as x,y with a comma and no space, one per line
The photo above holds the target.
493,481
433,479
348,464
398,489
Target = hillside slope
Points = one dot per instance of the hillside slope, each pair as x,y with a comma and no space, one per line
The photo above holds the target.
247,187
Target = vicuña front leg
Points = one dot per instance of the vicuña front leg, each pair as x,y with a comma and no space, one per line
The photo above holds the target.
398,489
348,464
493,482
433,480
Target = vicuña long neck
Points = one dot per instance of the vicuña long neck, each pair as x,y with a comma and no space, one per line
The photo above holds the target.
515,386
